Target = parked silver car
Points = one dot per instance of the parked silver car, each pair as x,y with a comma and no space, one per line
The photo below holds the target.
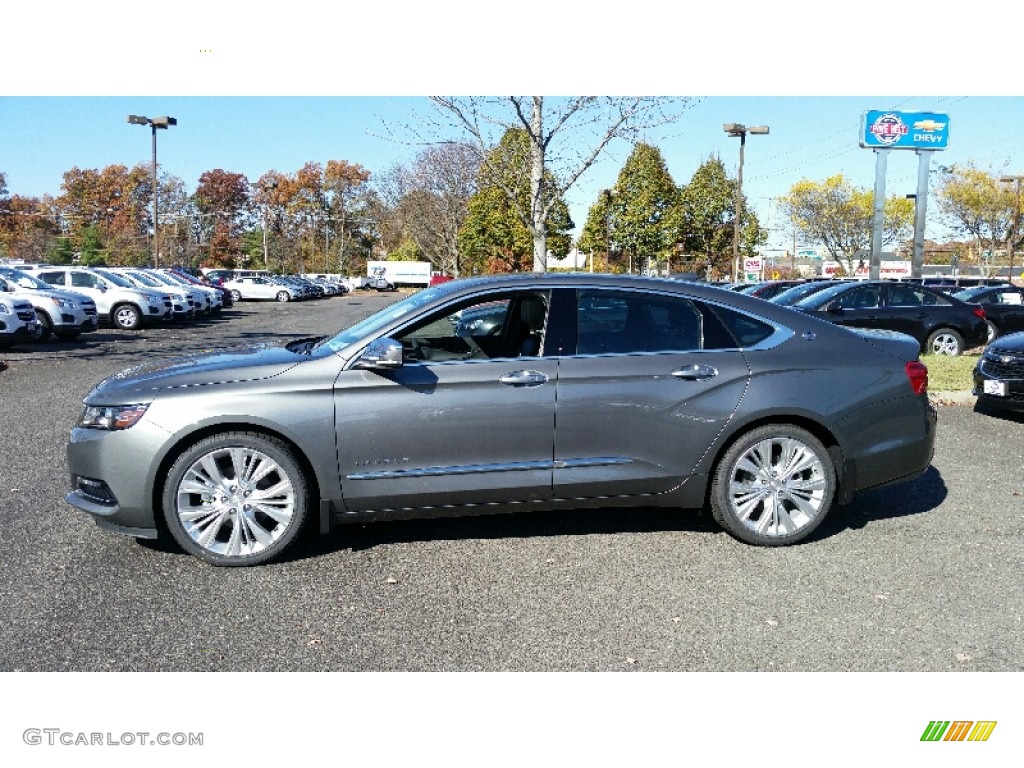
262,287
591,391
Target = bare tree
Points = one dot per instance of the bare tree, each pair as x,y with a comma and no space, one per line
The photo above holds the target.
567,136
428,199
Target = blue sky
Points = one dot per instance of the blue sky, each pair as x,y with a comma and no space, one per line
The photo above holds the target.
811,137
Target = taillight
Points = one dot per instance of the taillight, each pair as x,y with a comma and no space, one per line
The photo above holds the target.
917,374
979,311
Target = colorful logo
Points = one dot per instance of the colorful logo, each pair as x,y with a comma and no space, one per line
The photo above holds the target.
958,730
888,128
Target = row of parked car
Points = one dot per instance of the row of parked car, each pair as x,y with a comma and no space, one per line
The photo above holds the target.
67,301
946,319
264,286
40,301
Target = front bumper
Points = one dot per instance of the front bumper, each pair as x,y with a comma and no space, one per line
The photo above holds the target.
112,476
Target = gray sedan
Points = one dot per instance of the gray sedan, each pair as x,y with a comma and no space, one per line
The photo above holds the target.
585,391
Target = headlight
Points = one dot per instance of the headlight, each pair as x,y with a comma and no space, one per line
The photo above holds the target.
152,298
63,303
4,310
111,417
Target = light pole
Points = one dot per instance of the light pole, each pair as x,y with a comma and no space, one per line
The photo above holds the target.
156,122
738,129
1015,180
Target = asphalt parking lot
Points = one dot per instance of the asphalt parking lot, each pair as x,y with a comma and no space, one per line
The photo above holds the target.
923,576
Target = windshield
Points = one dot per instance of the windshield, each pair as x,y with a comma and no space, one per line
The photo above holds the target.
25,280
375,322
797,292
115,279
144,278
821,298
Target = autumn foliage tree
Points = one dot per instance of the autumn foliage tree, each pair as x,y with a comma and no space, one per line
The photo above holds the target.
840,216
494,238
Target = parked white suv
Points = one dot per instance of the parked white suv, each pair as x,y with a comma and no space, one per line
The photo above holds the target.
184,304
125,305
64,314
17,321
212,301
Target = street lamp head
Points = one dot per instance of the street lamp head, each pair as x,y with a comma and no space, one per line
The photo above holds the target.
138,120
164,122
734,129
759,130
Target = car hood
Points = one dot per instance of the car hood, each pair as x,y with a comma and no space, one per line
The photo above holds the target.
144,382
1010,343
901,345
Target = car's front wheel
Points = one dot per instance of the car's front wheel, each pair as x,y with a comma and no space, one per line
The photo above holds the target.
45,325
773,486
127,317
236,296
945,341
993,330
283,296
238,498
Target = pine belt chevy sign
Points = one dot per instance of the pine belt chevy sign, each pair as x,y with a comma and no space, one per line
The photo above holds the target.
887,129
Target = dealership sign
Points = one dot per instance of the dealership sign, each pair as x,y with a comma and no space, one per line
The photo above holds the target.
887,129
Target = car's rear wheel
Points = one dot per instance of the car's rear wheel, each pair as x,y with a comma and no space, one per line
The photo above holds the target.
773,486
237,498
945,341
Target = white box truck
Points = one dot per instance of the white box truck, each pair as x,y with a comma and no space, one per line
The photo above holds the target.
399,273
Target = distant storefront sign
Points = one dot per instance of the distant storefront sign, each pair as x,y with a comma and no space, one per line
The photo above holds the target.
904,130
890,270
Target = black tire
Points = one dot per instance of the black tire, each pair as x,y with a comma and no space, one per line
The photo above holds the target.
283,296
210,525
767,507
993,331
945,341
235,296
127,317
45,326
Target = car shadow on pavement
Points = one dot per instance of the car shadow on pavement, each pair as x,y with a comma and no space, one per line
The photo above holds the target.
517,525
903,499
915,497
1017,417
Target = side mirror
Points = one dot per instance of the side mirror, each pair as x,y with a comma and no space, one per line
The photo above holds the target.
382,354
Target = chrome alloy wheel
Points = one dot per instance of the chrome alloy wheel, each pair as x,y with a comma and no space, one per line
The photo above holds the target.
777,487
235,501
773,486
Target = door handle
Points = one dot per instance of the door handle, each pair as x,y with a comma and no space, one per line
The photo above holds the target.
524,379
695,372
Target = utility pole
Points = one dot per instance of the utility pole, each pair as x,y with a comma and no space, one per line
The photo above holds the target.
1010,241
